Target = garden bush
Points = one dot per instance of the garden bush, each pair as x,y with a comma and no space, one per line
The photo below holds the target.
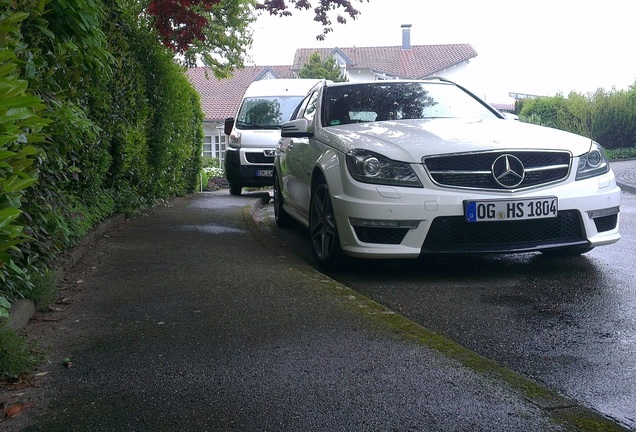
97,118
608,117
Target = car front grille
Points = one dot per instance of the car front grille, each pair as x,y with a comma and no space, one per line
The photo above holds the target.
454,234
259,158
475,170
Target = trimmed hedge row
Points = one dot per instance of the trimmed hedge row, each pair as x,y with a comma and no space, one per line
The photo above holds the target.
96,118
608,117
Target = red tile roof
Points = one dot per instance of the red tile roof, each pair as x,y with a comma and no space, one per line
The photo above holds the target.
221,98
419,61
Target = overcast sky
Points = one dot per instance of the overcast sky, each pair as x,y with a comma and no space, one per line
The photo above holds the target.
537,47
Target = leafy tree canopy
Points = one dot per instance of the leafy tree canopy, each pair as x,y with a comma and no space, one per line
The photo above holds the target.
316,68
217,31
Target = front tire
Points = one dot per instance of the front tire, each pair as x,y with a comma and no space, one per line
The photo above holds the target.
325,242
235,189
283,219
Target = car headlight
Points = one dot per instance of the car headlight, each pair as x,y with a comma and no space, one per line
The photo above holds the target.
234,140
370,167
593,163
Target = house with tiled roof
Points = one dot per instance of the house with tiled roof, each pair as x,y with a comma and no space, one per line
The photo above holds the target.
220,98
394,62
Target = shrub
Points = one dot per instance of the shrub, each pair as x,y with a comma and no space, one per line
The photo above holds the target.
15,354
608,117
212,173
21,123
122,128
623,153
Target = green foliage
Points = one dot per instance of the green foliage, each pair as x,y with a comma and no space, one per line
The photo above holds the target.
318,69
614,118
44,289
544,110
210,162
21,124
607,117
176,137
226,37
15,354
621,153
4,307
95,118
212,173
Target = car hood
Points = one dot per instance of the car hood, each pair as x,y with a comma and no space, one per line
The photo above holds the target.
410,140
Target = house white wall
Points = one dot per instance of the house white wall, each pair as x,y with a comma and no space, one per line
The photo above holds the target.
357,75
457,73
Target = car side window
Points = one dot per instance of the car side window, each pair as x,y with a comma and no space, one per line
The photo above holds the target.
298,113
310,110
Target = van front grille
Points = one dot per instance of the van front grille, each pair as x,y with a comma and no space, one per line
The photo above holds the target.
259,158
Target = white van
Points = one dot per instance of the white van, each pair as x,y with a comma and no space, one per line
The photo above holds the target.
255,131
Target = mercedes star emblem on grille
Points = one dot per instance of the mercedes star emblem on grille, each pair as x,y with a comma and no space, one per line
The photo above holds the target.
508,171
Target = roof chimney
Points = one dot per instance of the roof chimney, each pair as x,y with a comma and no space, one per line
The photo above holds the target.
406,36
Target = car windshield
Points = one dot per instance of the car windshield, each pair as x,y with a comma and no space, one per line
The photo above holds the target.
380,101
266,112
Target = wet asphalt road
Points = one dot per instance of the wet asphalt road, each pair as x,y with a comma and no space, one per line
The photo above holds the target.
569,323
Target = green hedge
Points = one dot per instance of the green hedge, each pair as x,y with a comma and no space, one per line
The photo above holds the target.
96,118
21,124
609,117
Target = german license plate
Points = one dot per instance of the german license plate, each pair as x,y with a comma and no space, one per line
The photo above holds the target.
501,210
264,173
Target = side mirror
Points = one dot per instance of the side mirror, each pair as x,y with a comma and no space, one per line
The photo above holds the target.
296,129
228,125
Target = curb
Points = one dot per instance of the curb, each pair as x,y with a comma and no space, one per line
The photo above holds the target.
20,313
625,187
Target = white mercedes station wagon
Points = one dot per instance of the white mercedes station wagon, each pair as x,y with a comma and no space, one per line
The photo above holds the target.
396,169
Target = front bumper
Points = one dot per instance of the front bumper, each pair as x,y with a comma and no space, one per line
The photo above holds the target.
392,222
248,167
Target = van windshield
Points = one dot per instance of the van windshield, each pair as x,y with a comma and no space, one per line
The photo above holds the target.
266,112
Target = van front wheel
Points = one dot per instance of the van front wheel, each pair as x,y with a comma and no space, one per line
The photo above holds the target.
235,189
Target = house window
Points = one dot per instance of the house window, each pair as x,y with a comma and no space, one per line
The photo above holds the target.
219,145
214,146
207,146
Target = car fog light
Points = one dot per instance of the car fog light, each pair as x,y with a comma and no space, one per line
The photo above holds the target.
380,223
603,212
